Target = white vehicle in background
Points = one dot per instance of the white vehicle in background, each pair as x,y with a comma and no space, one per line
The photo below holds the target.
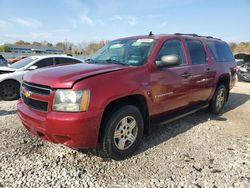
243,66
11,76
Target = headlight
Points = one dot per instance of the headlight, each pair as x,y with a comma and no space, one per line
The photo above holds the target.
71,101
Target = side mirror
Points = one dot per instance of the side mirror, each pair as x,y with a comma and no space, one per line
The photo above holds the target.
32,67
168,60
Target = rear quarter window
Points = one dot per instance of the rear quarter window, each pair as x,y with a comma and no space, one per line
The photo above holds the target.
221,52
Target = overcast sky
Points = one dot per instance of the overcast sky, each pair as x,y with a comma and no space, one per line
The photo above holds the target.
92,20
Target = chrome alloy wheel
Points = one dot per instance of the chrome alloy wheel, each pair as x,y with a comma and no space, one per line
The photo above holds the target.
125,133
220,100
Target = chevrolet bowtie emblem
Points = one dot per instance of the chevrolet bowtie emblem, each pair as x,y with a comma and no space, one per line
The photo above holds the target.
27,94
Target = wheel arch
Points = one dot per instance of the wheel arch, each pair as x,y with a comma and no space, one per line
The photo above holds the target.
11,79
225,80
137,100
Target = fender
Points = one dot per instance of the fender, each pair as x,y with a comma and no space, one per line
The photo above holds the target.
17,76
105,88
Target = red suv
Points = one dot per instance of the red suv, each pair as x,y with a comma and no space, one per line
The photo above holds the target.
126,87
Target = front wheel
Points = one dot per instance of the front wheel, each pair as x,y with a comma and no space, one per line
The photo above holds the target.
122,133
219,99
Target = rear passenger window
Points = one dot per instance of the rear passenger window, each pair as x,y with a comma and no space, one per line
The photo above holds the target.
44,63
221,51
171,47
196,51
62,60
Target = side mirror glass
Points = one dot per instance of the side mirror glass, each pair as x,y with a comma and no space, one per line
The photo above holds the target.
169,60
33,67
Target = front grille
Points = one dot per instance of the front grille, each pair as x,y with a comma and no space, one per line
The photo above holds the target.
36,104
29,100
42,90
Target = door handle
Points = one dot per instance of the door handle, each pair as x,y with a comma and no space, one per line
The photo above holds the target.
186,75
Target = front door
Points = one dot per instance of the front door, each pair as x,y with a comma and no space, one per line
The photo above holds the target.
171,85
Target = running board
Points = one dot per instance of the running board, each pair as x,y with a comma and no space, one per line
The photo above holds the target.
179,114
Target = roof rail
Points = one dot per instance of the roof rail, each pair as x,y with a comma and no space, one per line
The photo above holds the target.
195,35
192,34
210,37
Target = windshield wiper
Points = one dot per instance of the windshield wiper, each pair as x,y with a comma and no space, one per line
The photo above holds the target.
112,61
115,62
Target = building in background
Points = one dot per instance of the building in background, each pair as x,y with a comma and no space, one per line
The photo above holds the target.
28,49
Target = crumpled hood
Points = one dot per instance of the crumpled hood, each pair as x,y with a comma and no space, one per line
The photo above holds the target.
65,76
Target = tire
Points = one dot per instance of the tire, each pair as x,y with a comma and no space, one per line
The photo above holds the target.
122,133
9,90
219,99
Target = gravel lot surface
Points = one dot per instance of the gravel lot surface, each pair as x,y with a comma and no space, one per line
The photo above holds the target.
199,150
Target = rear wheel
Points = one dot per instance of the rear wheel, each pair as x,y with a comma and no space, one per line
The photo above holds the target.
219,99
9,90
122,133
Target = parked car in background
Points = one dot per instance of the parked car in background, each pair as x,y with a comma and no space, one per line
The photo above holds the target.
13,60
11,76
126,87
3,61
243,65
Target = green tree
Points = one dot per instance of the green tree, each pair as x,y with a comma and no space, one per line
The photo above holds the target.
4,48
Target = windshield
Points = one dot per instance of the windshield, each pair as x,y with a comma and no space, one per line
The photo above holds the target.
22,63
127,52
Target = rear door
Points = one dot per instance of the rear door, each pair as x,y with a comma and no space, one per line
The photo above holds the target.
199,81
171,86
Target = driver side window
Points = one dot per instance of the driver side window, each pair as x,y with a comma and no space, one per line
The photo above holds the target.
172,47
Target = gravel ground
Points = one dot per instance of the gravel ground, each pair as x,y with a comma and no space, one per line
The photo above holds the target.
199,150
